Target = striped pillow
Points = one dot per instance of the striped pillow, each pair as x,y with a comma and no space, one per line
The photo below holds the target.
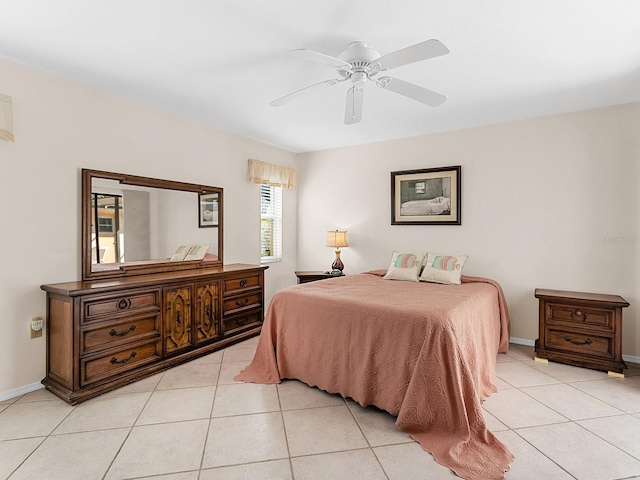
405,266
443,269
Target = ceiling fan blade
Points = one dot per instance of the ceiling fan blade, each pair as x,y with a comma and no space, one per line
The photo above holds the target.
415,53
317,57
282,100
410,90
353,107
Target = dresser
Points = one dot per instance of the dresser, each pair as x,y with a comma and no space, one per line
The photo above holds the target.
104,334
583,329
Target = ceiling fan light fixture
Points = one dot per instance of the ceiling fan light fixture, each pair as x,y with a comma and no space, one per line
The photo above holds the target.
359,52
358,78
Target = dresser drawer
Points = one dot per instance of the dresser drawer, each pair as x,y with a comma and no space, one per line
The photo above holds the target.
241,303
250,320
99,367
120,305
236,285
99,337
579,342
575,314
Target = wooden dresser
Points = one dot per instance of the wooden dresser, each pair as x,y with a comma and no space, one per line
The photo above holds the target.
582,329
104,334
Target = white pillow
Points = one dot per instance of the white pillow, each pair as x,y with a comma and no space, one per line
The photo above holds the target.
405,266
443,269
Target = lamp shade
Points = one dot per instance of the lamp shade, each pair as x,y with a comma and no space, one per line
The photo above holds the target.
337,238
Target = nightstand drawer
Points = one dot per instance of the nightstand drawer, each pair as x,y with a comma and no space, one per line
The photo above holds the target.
577,314
579,342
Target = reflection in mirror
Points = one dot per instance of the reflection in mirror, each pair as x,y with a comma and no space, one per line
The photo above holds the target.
107,239
208,210
136,222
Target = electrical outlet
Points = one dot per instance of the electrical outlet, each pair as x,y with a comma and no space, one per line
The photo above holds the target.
36,327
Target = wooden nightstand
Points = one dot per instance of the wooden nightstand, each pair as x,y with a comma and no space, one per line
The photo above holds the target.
312,276
583,329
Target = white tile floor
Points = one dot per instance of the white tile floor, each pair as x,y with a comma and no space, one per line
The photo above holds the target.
195,423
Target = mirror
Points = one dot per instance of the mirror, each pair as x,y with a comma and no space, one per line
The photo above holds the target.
135,225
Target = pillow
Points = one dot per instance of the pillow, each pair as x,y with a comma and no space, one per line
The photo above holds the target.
443,269
405,266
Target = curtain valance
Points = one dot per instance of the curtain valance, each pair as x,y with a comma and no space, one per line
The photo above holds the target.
272,174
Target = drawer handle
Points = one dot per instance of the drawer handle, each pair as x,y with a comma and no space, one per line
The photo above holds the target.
243,283
244,321
242,304
124,304
113,333
577,315
114,360
575,342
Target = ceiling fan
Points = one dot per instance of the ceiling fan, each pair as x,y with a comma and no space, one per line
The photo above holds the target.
360,63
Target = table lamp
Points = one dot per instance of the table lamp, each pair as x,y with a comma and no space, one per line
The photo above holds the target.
337,238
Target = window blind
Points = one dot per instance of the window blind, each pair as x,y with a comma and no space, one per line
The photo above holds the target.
270,223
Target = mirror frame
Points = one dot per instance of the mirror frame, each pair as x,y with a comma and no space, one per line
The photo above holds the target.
158,266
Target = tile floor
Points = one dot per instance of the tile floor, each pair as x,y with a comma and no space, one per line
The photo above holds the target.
195,423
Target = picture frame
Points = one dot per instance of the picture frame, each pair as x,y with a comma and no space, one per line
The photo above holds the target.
208,215
429,196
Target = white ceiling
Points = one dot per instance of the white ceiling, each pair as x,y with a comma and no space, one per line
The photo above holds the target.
221,62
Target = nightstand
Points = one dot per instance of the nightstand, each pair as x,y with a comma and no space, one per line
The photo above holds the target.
312,276
583,329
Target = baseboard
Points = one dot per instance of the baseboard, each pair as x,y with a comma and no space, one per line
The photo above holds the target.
36,386
20,391
531,343
522,341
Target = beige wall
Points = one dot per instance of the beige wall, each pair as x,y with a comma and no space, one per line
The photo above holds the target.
550,203
61,127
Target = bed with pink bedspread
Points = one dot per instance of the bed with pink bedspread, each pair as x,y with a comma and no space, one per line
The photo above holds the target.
423,352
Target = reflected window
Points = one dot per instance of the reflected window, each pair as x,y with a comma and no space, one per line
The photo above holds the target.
107,226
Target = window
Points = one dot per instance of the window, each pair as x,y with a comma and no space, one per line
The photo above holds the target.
105,225
270,223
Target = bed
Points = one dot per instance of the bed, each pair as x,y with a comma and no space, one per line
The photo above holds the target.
423,352
435,206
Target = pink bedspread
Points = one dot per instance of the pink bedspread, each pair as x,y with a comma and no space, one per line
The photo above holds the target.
421,351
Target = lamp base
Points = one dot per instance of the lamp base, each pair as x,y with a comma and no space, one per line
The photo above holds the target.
337,266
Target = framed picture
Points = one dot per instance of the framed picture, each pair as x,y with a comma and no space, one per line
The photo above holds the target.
207,210
431,196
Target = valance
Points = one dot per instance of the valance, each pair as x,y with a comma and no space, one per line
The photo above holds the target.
272,175
6,117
